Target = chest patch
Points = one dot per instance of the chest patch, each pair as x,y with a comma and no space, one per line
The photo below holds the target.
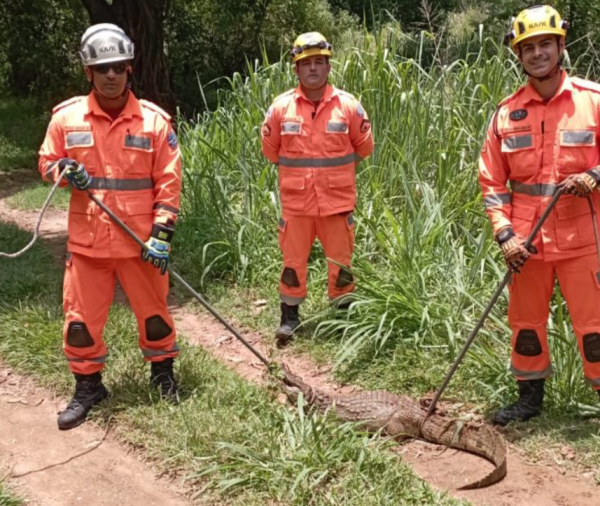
138,142
336,127
80,139
291,128
518,115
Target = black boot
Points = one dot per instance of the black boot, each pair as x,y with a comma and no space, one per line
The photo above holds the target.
89,391
161,374
290,319
531,400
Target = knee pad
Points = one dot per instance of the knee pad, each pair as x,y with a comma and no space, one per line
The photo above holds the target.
344,279
78,335
289,278
157,328
528,343
591,347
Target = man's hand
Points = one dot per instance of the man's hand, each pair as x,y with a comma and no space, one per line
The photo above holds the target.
513,249
158,247
580,185
75,173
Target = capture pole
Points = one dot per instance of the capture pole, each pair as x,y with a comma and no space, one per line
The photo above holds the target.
193,292
491,304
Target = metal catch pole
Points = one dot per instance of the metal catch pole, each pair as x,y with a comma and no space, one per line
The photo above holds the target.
491,304
193,292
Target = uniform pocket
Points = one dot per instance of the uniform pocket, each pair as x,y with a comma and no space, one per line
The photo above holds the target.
136,155
336,136
522,219
574,226
140,217
342,190
82,221
577,149
521,154
293,192
291,135
80,146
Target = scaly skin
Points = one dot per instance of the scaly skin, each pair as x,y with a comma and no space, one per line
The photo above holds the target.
401,417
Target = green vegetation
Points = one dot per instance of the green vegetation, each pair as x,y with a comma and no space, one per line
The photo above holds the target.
22,127
8,499
229,438
33,197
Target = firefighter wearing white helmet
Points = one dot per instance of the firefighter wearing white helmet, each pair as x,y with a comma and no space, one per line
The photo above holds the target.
125,151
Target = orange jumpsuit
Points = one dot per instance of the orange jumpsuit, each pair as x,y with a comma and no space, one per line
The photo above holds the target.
316,148
136,169
533,145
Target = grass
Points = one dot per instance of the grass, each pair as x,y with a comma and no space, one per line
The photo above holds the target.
22,127
7,498
234,443
32,198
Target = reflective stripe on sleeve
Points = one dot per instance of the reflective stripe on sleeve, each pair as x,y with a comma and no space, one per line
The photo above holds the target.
166,207
495,200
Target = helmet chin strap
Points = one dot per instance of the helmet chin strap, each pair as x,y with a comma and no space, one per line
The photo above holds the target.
549,75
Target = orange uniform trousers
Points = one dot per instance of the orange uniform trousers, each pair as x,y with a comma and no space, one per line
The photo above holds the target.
528,310
296,237
88,291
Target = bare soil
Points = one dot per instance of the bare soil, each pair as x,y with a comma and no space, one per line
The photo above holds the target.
540,484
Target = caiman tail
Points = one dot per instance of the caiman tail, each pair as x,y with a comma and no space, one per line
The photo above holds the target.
481,440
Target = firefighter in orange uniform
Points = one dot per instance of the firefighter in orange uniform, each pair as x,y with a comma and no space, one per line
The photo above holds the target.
316,134
125,152
545,136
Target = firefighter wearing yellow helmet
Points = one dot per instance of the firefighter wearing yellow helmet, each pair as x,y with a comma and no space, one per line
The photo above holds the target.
542,138
316,134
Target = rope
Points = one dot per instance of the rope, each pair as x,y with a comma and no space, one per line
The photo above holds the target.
38,222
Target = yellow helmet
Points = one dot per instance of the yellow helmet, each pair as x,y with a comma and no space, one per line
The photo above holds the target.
536,20
310,44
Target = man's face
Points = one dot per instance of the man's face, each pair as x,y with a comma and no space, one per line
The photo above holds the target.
313,71
109,79
540,54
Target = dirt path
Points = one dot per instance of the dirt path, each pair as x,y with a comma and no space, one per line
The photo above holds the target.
525,484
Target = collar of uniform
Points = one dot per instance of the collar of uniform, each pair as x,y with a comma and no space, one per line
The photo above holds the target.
530,94
132,107
330,92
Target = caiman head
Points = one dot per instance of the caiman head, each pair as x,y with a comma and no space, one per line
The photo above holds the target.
293,385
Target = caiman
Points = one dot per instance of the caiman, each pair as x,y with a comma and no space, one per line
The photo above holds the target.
401,417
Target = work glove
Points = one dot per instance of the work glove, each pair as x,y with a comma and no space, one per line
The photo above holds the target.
513,249
158,247
75,173
580,185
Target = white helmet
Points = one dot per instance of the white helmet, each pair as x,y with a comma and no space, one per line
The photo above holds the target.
105,43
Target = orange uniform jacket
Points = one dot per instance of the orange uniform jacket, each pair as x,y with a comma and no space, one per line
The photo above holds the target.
135,165
532,145
317,150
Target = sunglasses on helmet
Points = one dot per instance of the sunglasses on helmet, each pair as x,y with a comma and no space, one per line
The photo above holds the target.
118,68
321,45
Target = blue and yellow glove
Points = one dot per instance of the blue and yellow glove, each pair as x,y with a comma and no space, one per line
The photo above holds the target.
158,247
76,174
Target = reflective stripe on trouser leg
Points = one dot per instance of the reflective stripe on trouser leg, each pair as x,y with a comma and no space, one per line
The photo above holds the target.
528,309
579,284
296,237
147,292
336,233
88,289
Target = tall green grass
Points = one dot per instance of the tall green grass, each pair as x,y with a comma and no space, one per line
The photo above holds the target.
425,260
7,498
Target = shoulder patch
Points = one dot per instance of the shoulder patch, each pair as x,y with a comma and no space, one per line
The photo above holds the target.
585,84
153,107
360,111
67,103
172,140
